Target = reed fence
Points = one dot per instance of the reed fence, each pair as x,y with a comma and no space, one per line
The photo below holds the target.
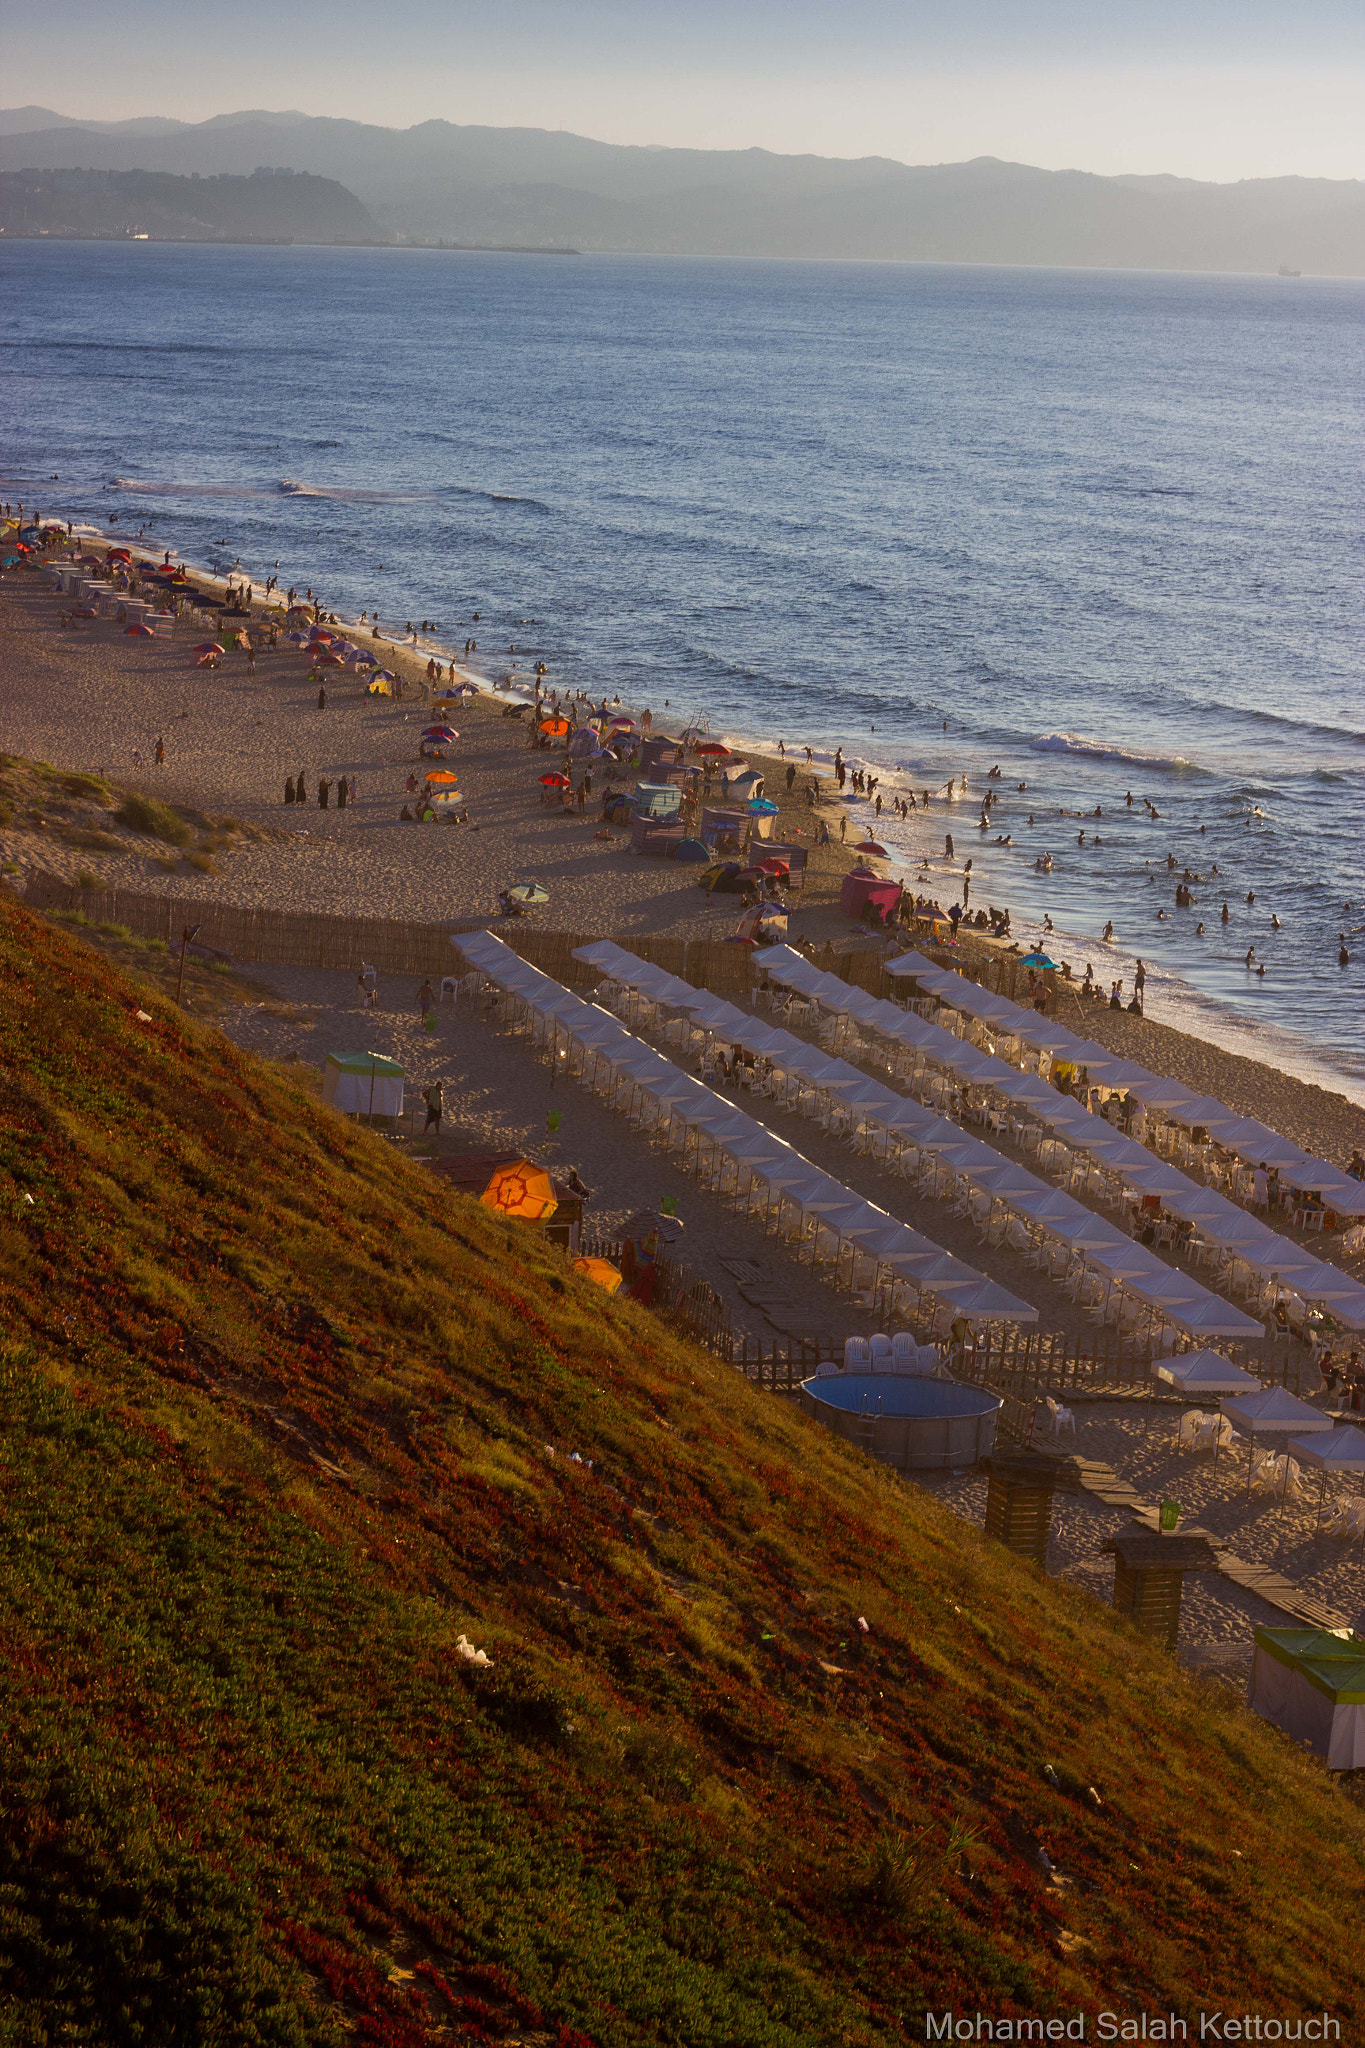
285,938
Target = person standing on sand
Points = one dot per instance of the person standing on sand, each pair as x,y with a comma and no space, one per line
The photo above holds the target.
324,791
342,792
322,697
843,828
947,846
425,999
1140,985
435,1102
160,751
289,789
300,793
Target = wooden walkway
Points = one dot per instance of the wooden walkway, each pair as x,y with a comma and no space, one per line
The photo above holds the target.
1259,1579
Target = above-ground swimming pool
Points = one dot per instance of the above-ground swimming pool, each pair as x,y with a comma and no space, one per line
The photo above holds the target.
915,1424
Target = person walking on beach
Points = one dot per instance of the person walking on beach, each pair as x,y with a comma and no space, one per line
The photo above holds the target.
843,829
947,846
425,998
435,1102
1140,986
160,751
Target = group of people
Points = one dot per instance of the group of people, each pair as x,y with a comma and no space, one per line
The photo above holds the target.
344,789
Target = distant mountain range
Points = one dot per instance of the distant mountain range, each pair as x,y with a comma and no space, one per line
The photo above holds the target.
535,187
269,206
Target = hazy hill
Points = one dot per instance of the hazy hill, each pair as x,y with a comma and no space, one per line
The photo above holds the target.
280,1420
437,181
268,206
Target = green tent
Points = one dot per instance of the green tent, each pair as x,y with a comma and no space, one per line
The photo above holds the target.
363,1084
1311,1683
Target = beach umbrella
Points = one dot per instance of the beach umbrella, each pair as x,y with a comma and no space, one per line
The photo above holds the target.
774,866
871,846
440,732
601,1270
383,675
434,775
1037,960
529,892
323,660
556,782
520,1189
555,727
118,555
138,633
714,749
207,647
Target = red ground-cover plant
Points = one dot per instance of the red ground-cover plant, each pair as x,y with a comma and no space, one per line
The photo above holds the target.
280,1420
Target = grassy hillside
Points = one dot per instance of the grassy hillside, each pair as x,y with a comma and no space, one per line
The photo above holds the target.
282,1422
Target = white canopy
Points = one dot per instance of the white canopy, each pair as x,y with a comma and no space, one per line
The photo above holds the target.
1200,1373
1273,1411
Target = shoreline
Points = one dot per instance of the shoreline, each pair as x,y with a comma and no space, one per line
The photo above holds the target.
594,890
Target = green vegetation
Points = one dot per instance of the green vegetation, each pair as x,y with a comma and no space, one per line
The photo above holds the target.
148,814
280,1421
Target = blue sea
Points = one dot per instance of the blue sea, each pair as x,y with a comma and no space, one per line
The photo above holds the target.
1099,529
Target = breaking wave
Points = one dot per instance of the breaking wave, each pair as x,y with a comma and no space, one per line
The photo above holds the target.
1098,750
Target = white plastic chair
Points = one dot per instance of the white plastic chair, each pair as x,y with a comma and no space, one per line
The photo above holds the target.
857,1355
882,1356
1060,1420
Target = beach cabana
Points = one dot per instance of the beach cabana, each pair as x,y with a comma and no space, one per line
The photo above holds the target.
1311,1683
363,1084
1200,1373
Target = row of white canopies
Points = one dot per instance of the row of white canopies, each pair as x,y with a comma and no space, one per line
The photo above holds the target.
1163,1296
1243,1238
1244,1137
779,1188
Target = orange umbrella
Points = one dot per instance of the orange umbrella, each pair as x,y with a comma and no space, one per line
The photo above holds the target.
555,727
435,775
600,1270
521,1189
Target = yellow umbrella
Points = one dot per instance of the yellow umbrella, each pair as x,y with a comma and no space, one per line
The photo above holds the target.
521,1189
600,1270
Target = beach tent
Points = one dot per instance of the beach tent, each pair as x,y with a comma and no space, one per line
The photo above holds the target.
1275,1410
363,1084
1311,1683
1200,1373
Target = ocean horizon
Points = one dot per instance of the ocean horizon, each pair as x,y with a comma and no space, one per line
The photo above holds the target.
1098,529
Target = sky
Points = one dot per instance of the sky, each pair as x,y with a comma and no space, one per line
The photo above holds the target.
1220,89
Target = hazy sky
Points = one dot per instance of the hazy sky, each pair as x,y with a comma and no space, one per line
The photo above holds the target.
1207,88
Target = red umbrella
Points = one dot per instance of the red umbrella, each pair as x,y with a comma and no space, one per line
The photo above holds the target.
775,867
714,747
329,661
871,846
207,647
556,782
119,555
138,633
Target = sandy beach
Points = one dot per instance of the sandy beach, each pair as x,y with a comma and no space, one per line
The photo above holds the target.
91,699
88,700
